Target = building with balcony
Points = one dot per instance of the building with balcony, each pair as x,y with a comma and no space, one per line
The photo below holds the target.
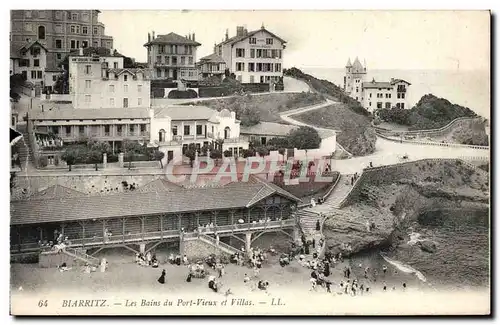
254,57
212,65
172,56
60,31
102,82
174,128
374,95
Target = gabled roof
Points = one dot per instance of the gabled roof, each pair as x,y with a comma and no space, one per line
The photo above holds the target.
28,45
377,84
185,112
235,39
234,196
159,185
172,38
395,81
56,191
213,58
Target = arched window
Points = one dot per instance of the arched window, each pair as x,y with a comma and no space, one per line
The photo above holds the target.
161,135
227,132
41,32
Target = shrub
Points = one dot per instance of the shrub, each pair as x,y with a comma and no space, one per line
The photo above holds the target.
43,161
182,94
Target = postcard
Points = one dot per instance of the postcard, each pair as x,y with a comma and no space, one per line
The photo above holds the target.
249,162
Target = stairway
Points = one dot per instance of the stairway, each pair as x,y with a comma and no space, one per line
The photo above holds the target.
307,220
332,202
25,153
220,245
81,256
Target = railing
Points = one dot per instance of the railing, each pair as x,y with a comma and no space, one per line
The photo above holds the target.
81,255
432,143
429,131
219,244
232,140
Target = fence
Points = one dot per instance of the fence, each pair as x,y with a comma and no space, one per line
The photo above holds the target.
432,143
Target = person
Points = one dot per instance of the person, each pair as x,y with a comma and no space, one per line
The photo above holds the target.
185,260
404,285
148,258
313,283
154,263
64,267
103,265
328,286
326,271
161,279
190,275
348,272
384,269
246,279
385,286
171,258
256,271
366,272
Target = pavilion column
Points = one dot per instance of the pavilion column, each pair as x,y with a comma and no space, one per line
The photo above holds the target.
123,229
142,227
215,217
179,220
161,226
104,232
83,232
231,213
248,242
195,130
182,130
197,219
62,229
41,233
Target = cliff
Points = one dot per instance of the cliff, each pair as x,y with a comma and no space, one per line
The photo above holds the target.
394,196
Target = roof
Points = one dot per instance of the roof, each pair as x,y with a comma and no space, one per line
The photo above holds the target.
132,71
234,196
172,38
235,39
268,128
185,112
348,63
395,81
159,185
213,58
14,55
357,66
377,84
28,45
54,70
56,191
55,111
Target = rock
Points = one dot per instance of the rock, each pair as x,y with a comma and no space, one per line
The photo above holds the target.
427,246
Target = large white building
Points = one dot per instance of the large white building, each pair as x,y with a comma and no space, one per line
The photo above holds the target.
254,57
374,94
102,82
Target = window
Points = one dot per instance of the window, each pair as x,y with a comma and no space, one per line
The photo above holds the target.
158,59
387,95
387,105
36,63
139,88
115,65
190,60
78,29
186,129
379,104
183,60
112,102
252,40
125,77
85,44
58,44
251,67
58,15
252,53
240,53
85,17
87,98
111,88
33,74
125,88
72,29
139,101
85,30
278,67
269,41
370,95
125,102
174,130
132,128
370,104
167,60
240,66
174,60
58,29
94,31
81,129
68,129
88,84
59,56
158,73
403,95
28,27
263,140
74,16
279,54
259,53
73,44
403,105
27,13
357,89
199,129
54,78
88,69
119,129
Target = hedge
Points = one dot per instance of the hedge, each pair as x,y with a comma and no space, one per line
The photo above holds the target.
182,94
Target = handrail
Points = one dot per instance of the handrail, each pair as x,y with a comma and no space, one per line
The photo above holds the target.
458,119
442,144
216,243
327,194
82,255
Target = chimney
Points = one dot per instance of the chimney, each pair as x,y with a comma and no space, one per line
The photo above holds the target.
392,80
194,39
80,51
245,31
149,37
227,34
240,31
153,35
215,48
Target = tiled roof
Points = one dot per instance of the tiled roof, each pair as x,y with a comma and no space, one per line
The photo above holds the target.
395,81
268,128
357,66
238,195
28,45
185,112
54,70
213,58
159,185
56,191
172,38
377,84
54,111
249,34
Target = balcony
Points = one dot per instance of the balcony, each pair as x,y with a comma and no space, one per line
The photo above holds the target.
167,65
234,140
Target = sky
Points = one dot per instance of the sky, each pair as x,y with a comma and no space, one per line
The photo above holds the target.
432,40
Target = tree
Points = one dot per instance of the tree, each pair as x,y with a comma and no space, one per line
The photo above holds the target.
250,152
191,153
305,137
131,149
94,157
262,151
61,85
12,178
159,155
279,142
70,156
216,154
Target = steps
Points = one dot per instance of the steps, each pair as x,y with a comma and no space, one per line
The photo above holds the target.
81,256
220,245
25,154
307,220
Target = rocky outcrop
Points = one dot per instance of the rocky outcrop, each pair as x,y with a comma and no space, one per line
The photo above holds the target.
427,246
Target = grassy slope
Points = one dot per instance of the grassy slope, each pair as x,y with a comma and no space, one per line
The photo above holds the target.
267,106
348,116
